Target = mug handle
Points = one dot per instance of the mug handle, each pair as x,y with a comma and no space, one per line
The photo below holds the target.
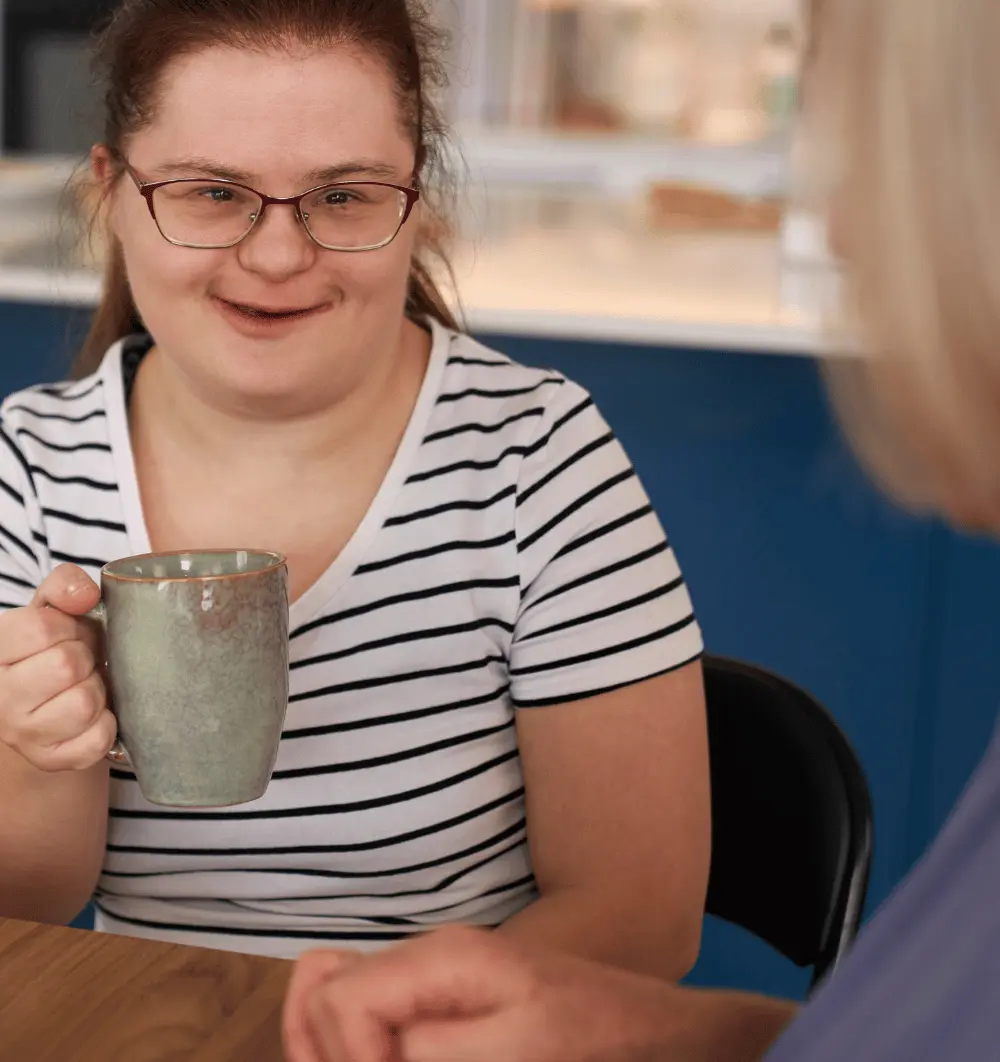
116,754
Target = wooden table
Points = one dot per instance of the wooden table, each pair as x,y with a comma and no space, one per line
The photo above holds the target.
69,995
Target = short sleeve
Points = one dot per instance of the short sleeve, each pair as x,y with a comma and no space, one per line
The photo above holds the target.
20,533
603,602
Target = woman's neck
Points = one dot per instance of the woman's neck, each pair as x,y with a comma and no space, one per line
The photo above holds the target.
299,431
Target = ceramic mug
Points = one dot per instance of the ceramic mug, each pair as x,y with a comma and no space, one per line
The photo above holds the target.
197,662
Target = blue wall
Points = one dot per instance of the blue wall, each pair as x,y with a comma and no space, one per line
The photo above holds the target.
797,562
794,560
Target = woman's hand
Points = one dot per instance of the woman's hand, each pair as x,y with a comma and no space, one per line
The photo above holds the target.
461,995
53,704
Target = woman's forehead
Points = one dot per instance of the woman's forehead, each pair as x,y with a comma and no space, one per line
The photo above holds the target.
262,114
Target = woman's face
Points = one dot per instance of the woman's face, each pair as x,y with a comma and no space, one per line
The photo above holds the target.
281,124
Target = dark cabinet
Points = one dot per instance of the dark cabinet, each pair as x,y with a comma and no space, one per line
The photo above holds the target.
50,101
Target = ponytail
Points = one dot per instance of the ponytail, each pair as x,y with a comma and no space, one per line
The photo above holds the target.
424,300
115,317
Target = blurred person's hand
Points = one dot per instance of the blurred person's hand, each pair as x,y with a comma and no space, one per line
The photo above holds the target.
53,704
461,995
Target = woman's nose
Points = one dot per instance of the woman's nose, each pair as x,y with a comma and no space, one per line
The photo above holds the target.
279,246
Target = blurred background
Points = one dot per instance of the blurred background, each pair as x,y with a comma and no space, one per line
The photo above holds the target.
626,216
605,146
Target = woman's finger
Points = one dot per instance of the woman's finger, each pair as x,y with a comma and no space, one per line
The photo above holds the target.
312,969
453,974
82,752
28,631
32,682
68,715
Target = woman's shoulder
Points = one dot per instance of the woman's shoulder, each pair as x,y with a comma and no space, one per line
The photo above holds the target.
474,370
71,401
61,402
62,412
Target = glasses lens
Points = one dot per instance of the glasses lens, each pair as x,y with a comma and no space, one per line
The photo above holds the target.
205,213
354,216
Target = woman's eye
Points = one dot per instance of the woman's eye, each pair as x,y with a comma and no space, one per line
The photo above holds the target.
338,198
216,195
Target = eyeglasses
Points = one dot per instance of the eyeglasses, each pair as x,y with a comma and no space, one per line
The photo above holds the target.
213,214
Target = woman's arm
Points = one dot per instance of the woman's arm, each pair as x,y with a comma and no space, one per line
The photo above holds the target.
605,679
619,824
52,837
52,822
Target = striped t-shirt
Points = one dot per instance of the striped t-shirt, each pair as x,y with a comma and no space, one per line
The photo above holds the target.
509,561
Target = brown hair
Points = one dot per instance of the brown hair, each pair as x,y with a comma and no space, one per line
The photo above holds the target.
145,36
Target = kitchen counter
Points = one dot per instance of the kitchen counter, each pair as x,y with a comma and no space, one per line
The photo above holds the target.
693,291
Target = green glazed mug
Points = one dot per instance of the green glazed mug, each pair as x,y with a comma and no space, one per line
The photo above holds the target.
197,667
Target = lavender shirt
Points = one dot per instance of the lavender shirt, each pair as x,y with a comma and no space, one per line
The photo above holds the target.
923,982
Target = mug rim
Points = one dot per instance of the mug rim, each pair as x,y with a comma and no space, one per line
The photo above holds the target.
278,560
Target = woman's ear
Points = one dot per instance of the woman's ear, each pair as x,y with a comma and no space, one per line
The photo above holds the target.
104,175
102,167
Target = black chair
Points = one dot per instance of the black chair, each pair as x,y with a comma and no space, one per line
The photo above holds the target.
791,817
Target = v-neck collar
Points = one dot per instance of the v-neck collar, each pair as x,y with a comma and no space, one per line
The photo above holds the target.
316,599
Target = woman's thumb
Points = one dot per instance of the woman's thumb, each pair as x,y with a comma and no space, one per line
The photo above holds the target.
69,589
489,1039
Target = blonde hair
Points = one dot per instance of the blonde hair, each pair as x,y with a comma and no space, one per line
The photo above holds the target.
902,125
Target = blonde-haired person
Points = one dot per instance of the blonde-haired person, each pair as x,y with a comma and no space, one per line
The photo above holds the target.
903,104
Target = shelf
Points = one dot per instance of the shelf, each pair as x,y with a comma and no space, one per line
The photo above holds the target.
623,163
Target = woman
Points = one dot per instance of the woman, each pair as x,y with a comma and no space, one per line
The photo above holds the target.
494,663
903,101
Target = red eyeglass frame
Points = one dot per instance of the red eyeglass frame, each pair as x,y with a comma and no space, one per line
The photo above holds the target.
147,188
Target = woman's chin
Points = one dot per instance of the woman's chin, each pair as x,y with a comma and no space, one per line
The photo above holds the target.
275,375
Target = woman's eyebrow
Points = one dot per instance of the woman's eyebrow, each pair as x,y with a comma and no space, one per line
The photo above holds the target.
355,168
204,167
200,167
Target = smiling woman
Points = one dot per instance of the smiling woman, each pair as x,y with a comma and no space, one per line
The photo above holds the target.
494,662
397,39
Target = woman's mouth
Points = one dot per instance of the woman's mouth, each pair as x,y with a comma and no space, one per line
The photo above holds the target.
265,318
265,313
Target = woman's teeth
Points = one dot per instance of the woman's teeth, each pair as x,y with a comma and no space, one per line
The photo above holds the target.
253,311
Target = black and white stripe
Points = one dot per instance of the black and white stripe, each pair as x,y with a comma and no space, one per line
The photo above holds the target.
512,560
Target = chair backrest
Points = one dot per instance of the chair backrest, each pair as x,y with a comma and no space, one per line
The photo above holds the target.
791,816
